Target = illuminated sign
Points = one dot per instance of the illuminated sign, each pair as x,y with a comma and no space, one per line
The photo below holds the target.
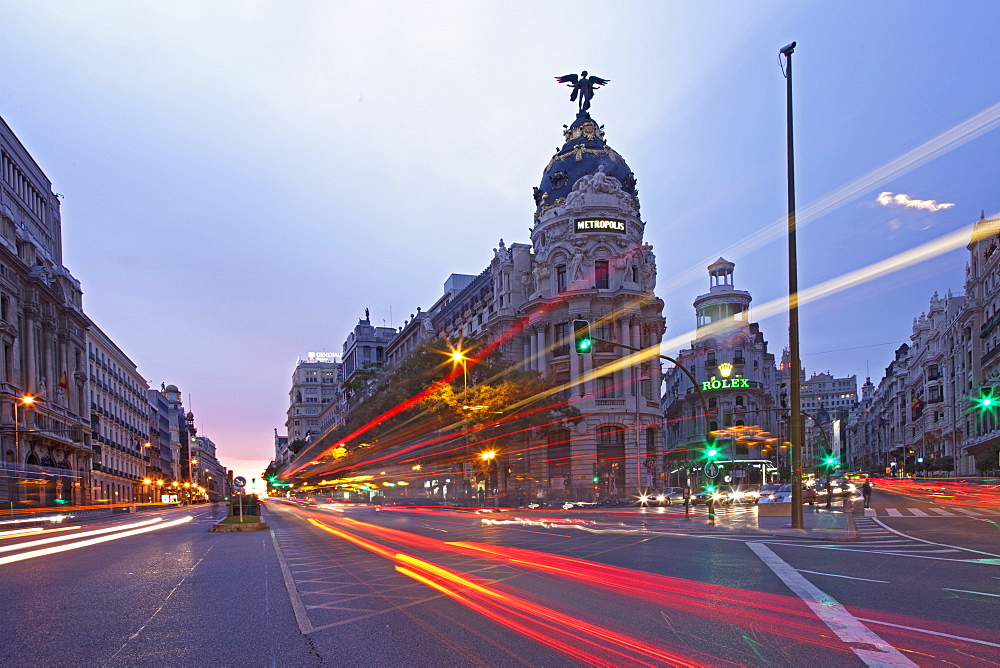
599,225
328,357
725,384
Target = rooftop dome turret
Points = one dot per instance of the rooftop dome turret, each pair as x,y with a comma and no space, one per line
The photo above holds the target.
583,154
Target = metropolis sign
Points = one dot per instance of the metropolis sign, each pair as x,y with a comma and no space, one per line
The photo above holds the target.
599,225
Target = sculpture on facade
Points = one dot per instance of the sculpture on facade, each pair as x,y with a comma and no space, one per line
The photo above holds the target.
576,266
583,87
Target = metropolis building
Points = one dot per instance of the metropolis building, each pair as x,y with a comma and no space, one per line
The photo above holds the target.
587,260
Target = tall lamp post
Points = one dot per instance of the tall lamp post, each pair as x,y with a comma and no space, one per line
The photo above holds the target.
795,418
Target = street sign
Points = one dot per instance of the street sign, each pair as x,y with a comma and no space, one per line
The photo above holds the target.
239,481
711,469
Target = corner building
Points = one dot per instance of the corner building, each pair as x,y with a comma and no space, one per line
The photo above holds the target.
587,261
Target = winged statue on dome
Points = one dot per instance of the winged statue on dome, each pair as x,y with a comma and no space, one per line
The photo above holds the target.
583,87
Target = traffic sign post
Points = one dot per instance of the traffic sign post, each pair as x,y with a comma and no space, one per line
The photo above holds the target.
239,482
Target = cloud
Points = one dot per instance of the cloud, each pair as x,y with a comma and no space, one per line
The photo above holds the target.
887,198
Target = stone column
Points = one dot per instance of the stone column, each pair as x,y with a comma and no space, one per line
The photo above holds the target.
626,374
533,349
29,375
541,364
527,351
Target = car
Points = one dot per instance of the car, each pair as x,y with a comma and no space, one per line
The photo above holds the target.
839,487
765,491
663,497
784,495
741,493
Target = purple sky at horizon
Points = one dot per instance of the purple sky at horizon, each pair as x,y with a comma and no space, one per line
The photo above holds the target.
241,181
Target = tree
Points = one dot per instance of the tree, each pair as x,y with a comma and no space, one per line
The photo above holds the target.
412,402
296,445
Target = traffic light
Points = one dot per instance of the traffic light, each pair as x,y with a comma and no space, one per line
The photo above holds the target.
985,401
830,462
581,336
711,451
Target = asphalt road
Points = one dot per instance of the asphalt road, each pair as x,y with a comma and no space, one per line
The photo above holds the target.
359,586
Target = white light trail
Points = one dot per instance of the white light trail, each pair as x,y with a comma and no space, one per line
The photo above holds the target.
56,539
93,541
964,132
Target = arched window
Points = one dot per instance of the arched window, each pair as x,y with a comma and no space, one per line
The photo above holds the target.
713,402
739,400
650,440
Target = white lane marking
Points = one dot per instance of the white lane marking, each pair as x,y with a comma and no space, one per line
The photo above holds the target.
916,512
967,512
162,605
834,575
864,642
930,542
892,512
966,591
929,632
301,616
942,512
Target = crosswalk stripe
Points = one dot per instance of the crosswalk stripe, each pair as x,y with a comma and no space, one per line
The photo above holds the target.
966,512
943,512
917,512
892,512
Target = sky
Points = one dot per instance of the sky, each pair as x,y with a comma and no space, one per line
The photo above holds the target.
240,180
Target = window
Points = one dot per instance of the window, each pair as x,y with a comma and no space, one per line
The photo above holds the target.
561,278
713,402
601,274
605,387
635,274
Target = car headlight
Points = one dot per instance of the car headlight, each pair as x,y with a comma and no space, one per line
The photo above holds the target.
738,495
716,496
661,497
852,487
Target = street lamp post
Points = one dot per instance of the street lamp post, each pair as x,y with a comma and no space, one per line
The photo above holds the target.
26,400
795,419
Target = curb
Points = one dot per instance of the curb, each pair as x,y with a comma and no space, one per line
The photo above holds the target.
227,528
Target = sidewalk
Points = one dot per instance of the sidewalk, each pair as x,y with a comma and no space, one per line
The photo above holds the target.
836,524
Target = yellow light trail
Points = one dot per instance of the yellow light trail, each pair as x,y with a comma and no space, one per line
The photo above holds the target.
908,258
93,541
18,533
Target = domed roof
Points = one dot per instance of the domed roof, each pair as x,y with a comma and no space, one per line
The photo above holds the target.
171,388
583,153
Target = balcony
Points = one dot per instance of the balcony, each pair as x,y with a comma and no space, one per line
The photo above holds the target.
609,402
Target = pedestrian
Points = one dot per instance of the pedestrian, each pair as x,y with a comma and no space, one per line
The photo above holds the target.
866,491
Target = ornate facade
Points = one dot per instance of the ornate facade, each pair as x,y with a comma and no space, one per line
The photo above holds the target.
743,416
46,447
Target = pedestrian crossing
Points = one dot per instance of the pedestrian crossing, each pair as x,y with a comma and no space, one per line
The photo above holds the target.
936,512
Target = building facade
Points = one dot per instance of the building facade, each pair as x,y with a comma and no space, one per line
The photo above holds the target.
587,260
743,417
44,406
926,416
315,388
119,418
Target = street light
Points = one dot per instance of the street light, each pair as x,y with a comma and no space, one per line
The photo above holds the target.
26,400
795,419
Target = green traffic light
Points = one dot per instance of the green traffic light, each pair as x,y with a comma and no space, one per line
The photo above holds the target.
597,479
712,452
710,488
581,336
